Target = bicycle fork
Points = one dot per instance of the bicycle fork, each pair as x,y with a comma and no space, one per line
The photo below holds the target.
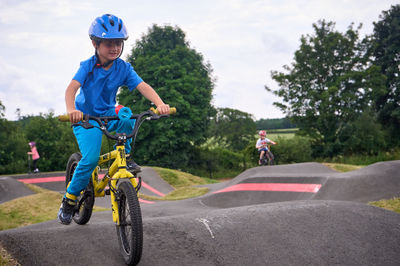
116,171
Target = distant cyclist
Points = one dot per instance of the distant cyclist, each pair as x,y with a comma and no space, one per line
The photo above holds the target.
262,145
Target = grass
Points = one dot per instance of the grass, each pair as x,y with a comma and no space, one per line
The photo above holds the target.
6,259
40,207
342,167
285,133
390,204
184,184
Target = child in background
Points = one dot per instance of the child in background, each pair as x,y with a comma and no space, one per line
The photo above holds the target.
35,156
262,144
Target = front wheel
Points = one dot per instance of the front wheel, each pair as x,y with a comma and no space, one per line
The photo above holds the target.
271,158
130,228
85,204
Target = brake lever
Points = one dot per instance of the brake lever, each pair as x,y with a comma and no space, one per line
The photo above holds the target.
85,125
156,117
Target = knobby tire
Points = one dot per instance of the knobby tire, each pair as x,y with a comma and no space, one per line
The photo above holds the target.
82,216
130,229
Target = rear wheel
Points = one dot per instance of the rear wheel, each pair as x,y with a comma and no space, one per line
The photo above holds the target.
264,161
130,228
84,208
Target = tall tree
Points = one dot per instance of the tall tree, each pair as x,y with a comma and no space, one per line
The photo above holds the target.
2,110
164,59
14,146
328,85
233,127
387,53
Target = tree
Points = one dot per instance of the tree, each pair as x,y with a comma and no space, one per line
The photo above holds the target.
13,148
329,85
363,136
178,73
2,110
274,123
233,127
386,50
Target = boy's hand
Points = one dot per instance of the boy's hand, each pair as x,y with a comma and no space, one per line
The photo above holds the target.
163,109
75,116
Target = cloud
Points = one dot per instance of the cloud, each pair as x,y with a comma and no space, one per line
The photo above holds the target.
43,42
27,90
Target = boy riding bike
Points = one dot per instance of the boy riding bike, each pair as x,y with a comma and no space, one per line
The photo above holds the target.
99,79
262,145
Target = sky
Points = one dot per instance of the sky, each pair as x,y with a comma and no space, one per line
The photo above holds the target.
43,42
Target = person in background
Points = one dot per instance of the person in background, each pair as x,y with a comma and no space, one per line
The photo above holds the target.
262,144
35,156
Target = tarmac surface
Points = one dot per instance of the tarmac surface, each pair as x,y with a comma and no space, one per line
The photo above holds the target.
298,214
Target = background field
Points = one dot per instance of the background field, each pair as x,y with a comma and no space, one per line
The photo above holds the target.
273,134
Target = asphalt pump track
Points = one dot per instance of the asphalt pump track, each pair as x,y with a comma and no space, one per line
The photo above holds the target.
299,214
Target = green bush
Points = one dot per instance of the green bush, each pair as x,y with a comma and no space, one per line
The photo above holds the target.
292,150
216,162
364,159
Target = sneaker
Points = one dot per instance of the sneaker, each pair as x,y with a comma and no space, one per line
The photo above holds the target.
36,170
66,211
132,167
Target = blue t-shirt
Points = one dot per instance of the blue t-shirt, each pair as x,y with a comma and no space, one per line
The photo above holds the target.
99,88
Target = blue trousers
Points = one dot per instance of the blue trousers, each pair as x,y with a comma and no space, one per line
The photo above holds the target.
89,141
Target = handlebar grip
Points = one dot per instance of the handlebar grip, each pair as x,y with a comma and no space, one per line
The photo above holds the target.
63,118
172,110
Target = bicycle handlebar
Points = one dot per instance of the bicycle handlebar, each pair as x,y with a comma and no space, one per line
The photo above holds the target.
153,113
65,117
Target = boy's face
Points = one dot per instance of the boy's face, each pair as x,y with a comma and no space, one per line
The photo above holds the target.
108,50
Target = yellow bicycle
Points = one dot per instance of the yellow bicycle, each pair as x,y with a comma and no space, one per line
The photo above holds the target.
123,186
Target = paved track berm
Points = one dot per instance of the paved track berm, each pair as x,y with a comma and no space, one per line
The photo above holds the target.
301,214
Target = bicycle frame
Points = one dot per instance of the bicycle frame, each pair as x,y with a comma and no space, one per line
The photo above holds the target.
116,171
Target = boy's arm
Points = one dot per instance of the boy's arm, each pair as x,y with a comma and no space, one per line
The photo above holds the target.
74,115
147,91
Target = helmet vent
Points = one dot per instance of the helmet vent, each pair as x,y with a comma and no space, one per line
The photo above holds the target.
112,22
104,26
119,26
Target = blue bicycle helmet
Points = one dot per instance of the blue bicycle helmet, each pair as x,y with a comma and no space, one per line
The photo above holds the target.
108,27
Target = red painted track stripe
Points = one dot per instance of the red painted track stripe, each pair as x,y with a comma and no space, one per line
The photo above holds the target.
42,180
146,201
62,178
152,189
313,188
